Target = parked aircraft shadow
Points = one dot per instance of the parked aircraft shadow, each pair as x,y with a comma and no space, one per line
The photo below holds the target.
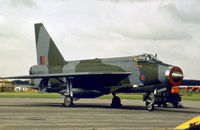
137,107
125,107
189,110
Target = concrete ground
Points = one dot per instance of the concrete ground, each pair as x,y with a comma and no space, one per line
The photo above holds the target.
34,113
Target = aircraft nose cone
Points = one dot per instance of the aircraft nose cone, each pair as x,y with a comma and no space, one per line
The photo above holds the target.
176,75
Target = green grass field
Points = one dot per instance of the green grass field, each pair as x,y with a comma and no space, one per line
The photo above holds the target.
28,95
193,96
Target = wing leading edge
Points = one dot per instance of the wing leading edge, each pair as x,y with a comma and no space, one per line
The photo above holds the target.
60,75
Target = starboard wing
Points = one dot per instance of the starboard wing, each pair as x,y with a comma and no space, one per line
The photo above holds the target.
60,75
83,79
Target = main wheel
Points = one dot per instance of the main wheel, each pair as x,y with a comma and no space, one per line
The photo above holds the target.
68,101
116,102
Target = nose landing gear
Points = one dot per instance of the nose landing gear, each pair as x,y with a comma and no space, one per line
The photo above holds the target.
150,100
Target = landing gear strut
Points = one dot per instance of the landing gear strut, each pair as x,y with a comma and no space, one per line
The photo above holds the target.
116,102
150,102
68,101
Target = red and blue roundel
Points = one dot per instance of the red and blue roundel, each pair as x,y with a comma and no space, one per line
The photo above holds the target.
143,77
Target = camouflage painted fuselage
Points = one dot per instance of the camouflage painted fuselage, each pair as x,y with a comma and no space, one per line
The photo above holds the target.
142,73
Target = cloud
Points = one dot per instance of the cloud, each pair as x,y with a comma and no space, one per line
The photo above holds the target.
23,3
2,19
121,1
187,15
154,32
127,20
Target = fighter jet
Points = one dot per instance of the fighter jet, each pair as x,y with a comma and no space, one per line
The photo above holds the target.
96,77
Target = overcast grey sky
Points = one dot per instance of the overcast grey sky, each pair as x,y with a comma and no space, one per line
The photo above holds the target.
84,29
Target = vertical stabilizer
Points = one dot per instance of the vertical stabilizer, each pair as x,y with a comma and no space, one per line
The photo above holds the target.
47,52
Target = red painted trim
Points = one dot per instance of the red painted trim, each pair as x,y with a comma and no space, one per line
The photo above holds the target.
43,60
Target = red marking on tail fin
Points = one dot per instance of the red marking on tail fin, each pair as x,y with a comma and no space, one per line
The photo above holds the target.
43,60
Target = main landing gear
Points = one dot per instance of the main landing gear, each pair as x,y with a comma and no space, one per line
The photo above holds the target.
68,100
116,102
150,102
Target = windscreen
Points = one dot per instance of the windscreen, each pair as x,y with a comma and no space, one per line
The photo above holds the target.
148,58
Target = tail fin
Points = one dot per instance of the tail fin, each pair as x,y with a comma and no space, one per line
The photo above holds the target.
47,52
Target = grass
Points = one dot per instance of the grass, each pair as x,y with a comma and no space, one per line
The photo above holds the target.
28,95
193,97
134,96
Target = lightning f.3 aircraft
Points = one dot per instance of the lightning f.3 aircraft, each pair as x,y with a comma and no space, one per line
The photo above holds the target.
96,77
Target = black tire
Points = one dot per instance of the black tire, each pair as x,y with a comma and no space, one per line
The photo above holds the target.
116,102
68,101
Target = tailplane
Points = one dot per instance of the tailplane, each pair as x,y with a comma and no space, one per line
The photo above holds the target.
47,52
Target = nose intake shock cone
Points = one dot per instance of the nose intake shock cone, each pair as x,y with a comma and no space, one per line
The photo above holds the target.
175,76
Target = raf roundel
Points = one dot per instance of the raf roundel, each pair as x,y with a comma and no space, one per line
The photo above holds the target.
143,77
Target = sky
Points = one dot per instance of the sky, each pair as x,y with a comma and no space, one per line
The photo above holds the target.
87,29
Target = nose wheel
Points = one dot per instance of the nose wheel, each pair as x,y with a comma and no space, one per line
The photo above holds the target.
150,102
149,106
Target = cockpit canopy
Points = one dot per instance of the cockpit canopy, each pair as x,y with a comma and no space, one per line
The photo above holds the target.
148,58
